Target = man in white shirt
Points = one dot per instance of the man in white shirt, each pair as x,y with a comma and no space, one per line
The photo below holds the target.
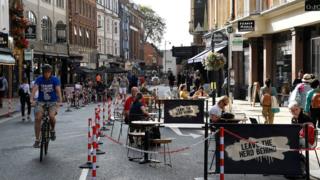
216,111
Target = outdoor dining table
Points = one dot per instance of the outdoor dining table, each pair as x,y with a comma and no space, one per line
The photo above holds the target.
147,125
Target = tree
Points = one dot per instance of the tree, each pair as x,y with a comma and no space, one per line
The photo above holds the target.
154,25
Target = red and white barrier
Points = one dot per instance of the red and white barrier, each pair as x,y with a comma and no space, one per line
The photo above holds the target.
109,110
94,152
98,132
222,153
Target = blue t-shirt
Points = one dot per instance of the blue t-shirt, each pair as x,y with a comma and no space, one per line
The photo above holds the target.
47,89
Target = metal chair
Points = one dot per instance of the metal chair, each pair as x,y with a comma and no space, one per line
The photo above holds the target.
315,144
166,149
135,137
119,117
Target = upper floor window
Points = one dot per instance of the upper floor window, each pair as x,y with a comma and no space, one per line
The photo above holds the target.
115,27
60,4
47,1
99,21
100,2
108,25
46,25
99,45
61,32
31,17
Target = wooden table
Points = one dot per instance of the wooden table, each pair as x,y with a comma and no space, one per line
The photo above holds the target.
147,125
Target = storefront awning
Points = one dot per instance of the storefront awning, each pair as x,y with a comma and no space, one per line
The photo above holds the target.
202,55
7,59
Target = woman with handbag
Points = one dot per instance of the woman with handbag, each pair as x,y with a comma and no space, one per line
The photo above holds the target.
267,96
24,93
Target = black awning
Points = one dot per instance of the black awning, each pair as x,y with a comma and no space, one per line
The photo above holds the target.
114,70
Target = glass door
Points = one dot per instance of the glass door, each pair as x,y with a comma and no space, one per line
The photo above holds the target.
315,56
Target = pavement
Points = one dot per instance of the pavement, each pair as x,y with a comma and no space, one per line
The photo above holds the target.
19,161
10,107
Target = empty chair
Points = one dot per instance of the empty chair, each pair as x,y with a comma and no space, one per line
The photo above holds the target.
166,149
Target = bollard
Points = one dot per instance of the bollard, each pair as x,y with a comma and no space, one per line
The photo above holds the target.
109,111
88,164
104,128
221,153
99,152
94,152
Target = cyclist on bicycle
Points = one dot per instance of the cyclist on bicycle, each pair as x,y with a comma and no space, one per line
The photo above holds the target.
49,93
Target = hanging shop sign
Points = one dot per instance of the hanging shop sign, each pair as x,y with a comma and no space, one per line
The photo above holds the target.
262,149
28,55
184,111
312,5
236,42
245,26
3,40
31,32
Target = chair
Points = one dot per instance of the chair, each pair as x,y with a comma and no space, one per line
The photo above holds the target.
118,116
253,120
135,137
166,149
315,144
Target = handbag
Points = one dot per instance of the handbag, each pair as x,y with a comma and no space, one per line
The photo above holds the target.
274,105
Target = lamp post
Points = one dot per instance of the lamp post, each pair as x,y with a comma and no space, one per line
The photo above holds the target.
165,55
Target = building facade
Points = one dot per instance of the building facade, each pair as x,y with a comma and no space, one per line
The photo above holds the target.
152,58
136,35
82,18
286,39
47,34
108,31
124,14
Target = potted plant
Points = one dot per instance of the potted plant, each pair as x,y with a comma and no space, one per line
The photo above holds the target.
214,61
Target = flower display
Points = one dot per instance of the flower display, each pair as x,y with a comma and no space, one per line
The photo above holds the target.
214,61
18,26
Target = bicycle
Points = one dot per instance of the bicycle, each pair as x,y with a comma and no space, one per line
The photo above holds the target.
45,132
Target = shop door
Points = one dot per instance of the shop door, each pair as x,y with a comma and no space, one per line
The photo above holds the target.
315,56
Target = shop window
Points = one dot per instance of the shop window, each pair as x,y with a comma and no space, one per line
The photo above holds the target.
315,58
31,17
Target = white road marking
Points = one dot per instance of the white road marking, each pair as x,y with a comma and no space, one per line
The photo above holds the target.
84,174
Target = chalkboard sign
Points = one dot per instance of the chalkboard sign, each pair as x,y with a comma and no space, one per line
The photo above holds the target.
255,91
184,111
270,155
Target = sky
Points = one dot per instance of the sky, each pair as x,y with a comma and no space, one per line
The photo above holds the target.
177,16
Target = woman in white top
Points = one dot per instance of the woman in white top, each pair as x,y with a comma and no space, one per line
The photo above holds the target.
24,93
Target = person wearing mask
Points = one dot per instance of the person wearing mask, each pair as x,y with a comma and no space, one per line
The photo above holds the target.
24,93
312,107
266,93
217,110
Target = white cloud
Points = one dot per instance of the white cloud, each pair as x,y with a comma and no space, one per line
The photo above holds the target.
177,16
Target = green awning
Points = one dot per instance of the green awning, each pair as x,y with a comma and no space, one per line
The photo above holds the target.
7,59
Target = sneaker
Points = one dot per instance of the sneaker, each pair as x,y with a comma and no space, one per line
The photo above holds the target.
23,119
36,144
29,118
53,135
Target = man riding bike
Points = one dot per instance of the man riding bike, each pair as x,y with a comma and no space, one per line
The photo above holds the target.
49,93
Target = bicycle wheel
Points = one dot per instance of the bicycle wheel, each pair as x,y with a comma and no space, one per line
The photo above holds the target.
47,140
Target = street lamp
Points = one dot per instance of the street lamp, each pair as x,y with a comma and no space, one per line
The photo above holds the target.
165,55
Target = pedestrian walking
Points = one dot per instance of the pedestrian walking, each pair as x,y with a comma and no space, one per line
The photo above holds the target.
298,80
3,88
24,93
124,83
299,94
312,107
266,93
171,79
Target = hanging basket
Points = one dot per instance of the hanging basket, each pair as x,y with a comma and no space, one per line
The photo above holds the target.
214,61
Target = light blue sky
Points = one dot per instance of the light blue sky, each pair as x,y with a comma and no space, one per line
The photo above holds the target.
177,16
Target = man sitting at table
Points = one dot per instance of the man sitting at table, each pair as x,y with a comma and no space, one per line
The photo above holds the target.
128,103
217,110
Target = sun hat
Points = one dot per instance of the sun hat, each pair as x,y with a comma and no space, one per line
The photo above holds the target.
307,78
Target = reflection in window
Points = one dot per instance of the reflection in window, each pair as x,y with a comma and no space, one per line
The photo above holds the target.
31,17
46,25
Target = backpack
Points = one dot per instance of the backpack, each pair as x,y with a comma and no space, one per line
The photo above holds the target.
266,98
315,101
